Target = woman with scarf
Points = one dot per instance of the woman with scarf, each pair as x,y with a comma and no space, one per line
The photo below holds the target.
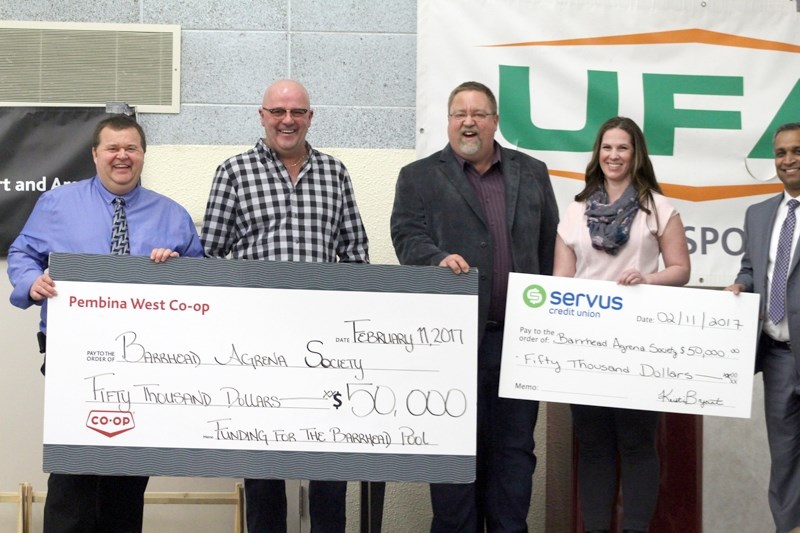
615,230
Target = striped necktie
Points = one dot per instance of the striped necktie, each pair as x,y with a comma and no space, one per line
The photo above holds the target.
119,229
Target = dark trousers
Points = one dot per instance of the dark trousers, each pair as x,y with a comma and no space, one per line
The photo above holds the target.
265,504
602,433
782,410
94,504
500,497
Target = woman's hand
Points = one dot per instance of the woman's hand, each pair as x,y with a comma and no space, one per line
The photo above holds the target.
631,277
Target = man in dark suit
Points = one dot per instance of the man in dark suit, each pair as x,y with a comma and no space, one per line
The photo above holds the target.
769,268
477,204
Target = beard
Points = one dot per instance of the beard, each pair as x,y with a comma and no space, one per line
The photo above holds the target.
470,146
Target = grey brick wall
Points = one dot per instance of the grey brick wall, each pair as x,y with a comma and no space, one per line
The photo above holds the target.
356,57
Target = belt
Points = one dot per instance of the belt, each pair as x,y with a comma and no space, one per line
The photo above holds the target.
42,339
769,342
494,325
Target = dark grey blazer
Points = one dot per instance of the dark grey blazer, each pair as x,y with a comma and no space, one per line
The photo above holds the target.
758,223
436,213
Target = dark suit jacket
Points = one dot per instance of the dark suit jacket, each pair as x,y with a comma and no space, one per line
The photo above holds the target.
436,213
758,223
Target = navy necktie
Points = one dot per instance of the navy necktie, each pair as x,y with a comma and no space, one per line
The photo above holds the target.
119,229
777,290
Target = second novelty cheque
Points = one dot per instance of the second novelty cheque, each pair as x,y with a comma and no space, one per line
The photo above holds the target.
646,347
258,369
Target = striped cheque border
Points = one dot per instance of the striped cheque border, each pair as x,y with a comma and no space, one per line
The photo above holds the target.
255,464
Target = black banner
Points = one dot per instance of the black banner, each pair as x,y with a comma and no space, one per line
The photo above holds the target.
40,148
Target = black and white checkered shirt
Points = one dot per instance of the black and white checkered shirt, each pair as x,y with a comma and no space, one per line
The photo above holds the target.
254,211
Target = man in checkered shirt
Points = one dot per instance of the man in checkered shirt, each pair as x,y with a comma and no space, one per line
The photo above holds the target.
283,200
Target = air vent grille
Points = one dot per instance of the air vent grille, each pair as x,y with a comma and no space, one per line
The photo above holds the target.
90,64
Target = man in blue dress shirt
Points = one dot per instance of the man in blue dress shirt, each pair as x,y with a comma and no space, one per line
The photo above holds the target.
77,218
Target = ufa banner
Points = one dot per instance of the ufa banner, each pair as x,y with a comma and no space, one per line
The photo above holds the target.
40,148
708,84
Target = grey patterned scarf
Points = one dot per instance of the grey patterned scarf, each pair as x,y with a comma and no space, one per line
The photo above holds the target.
610,224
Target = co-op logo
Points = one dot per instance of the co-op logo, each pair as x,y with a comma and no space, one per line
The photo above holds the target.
110,423
535,296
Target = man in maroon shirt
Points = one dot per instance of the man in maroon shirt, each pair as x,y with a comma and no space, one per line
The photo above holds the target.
477,204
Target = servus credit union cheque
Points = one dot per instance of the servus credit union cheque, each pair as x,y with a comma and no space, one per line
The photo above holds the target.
640,347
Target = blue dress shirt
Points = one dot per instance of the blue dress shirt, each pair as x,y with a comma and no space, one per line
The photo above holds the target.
77,217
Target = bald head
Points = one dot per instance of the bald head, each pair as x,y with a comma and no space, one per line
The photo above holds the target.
285,89
286,116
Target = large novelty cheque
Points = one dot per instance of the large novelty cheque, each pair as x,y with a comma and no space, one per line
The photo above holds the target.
258,369
639,347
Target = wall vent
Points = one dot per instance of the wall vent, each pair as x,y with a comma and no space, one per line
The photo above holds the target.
76,64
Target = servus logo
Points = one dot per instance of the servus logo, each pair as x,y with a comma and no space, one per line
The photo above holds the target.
534,296
571,303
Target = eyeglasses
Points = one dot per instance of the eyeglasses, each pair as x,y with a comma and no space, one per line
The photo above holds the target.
280,112
477,116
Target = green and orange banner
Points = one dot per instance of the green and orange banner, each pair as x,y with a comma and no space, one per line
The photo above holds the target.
707,83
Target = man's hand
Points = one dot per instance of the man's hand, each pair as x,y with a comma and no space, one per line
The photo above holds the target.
43,287
455,263
736,288
159,255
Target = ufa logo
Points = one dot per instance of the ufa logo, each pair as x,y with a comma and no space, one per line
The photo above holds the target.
534,296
